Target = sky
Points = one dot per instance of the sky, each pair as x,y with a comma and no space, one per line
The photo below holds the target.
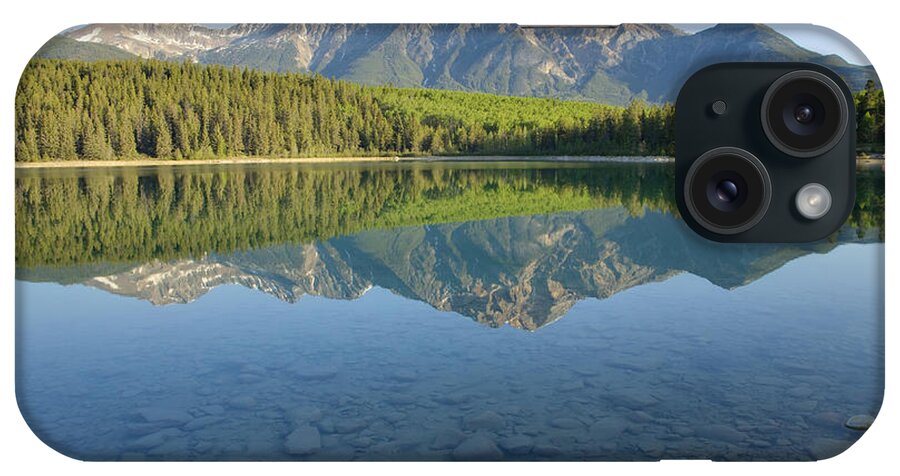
812,37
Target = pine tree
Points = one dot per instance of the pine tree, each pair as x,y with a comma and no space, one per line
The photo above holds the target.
95,145
162,147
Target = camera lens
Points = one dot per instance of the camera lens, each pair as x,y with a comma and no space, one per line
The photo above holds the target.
727,190
804,113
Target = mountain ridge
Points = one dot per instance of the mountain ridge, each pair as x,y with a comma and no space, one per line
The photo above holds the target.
611,65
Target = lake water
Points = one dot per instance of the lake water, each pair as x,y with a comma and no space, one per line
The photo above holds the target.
431,311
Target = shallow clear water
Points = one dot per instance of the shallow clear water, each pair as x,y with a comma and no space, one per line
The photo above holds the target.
590,334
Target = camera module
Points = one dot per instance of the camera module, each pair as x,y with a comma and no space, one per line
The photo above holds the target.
804,113
779,166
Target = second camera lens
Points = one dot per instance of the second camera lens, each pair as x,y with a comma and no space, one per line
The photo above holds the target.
804,113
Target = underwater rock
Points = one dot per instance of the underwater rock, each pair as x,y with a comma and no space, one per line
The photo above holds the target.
719,432
517,445
242,402
206,391
477,448
252,369
824,448
404,375
173,448
546,450
203,422
144,428
640,417
361,442
304,414
566,423
454,398
633,398
608,428
859,422
213,409
487,420
800,391
249,378
447,438
760,443
316,373
269,415
803,406
204,446
326,425
571,386
171,416
394,417
304,440
351,425
381,428
827,418
155,439
399,399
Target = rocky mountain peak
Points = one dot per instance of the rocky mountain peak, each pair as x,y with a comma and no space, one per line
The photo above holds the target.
605,64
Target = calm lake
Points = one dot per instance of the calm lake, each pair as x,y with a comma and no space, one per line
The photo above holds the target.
432,311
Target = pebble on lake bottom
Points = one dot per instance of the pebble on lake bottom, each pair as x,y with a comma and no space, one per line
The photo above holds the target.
305,440
477,448
859,422
487,420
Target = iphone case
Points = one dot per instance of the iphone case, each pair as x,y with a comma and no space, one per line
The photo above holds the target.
420,242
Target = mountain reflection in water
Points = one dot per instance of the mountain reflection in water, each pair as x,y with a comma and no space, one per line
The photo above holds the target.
524,242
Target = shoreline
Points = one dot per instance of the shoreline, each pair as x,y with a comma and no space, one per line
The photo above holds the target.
58,164
863,161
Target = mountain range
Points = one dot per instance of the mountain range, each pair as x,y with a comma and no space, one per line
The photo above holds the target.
612,64
525,272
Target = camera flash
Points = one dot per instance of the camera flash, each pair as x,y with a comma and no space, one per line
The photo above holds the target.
813,201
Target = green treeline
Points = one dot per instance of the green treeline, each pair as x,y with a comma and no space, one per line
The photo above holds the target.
144,108
870,118
134,215
126,109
